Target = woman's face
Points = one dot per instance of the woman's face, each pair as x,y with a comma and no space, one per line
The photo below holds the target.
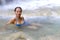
18,12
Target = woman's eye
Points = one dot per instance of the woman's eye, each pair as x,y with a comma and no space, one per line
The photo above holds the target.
18,11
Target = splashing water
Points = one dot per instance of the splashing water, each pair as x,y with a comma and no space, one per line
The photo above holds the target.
30,4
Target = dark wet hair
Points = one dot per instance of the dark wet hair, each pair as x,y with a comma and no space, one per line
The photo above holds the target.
19,8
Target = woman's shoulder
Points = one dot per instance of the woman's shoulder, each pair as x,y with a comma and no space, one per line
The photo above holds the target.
13,19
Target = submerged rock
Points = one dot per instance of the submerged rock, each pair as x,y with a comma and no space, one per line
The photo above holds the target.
18,36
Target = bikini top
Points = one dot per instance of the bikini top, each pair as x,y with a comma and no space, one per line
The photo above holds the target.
17,24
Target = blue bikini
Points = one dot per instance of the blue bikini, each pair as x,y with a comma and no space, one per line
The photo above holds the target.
24,24
20,24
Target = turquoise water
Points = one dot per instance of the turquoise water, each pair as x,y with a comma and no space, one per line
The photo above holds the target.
46,29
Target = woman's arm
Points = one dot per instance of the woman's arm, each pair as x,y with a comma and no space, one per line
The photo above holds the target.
8,23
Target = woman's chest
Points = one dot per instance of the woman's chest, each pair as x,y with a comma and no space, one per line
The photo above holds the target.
19,21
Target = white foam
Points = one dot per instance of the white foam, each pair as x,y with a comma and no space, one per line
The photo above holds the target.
32,4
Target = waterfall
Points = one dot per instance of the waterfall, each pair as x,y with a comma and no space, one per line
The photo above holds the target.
29,4
2,2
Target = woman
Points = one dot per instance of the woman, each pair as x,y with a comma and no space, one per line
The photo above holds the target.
18,20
